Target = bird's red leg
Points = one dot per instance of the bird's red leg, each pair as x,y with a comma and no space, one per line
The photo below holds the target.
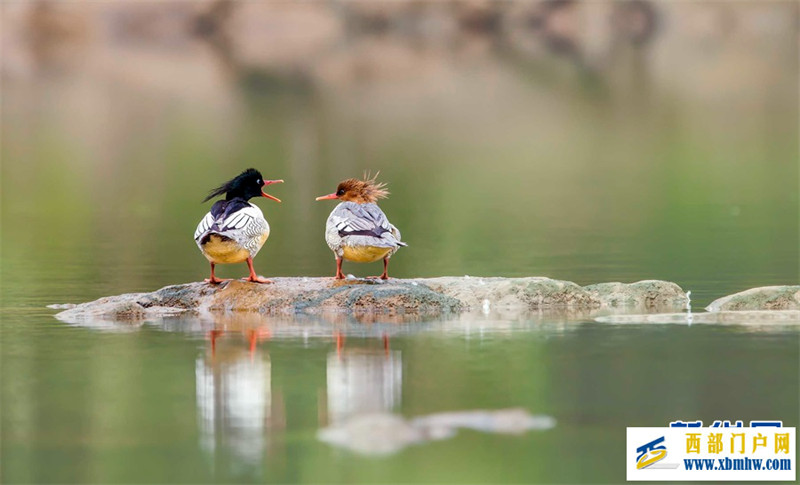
212,335
213,279
339,343
339,274
251,337
386,344
385,274
253,276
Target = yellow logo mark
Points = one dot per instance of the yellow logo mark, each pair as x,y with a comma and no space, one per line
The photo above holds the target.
650,458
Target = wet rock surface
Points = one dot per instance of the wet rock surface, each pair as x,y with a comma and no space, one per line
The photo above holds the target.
445,295
649,294
768,308
762,298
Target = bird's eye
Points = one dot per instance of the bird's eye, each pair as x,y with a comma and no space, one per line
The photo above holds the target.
340,192
258,181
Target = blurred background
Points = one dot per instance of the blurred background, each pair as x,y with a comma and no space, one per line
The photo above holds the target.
587,141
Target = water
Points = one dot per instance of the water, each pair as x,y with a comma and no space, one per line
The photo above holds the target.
676,163
149,405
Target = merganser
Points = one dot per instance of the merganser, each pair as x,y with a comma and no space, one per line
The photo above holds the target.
234,229
357,230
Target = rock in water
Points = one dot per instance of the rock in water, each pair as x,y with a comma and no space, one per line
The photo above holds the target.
763,298
647,294
394,297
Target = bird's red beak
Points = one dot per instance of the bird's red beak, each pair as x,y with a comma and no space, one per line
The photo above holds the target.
329,196
270,182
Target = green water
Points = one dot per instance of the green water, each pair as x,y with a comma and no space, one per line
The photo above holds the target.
501,170
86,406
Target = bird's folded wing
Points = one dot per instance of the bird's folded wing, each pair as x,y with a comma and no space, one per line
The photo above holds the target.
205,225
363,224
235,221
241,220
231,220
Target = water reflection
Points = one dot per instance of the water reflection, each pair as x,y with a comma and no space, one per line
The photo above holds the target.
363,380
386,433
240,408
234,399
339,325
756,321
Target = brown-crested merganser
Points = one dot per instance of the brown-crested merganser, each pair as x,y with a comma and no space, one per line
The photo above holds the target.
357,230
234,229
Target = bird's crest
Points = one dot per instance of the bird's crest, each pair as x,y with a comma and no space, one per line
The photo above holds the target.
373,189
233,184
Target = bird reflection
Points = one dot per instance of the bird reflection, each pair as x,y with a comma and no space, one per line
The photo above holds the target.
362,380
241,411
234,397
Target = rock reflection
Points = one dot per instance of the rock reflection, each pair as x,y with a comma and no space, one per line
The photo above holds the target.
235,400
386,433
363,380
764,321
325,326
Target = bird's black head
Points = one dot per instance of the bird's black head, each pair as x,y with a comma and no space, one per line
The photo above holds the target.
246,185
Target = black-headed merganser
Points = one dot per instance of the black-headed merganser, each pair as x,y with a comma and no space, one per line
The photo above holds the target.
234,230
357,230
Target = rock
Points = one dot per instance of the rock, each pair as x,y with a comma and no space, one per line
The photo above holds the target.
763,298
360,296
531,293
123,307
647,294
386,433
769,307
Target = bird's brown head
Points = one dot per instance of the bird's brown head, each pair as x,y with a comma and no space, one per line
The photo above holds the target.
366,191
